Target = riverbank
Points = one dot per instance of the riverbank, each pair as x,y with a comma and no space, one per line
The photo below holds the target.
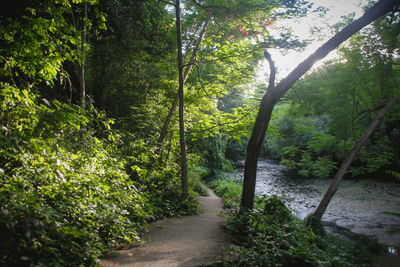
358,206
271,235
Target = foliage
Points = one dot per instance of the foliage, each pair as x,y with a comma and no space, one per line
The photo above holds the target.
163,189
159,182
396,214
229,190
65,197
315,127
394,174
72,186
271,236
212,150
40,39
302,143
75,184
316,225
318,125
131,66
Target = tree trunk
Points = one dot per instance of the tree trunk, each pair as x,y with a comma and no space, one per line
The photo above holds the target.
192,60
272,70
257,138
274,94
346,164
182,140
83,50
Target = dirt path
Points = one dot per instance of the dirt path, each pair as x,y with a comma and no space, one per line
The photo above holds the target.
186,241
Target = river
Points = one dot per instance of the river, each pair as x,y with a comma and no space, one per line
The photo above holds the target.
357,206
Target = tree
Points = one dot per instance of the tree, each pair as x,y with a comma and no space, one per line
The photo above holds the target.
130,63
374,51
339,100
274,94
182,139
83,51
31,48
227,24
346,164
164,129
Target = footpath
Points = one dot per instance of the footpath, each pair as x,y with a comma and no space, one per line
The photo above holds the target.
186,241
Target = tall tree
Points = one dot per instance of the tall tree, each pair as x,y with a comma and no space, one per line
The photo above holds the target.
230,25
274,94
189,66
83,51
182,139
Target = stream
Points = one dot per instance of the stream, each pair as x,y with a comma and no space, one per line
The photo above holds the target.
357,206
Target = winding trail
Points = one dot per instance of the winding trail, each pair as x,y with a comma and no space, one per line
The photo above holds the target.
186,241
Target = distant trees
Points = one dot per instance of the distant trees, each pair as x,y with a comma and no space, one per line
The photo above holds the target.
346,163
273,95
217,43
130,64
318,123
374,52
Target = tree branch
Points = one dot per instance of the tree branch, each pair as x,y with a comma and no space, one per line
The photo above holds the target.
272,96
192,60
272,70
166,2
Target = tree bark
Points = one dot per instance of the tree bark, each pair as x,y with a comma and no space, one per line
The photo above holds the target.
83,50
182,139
192,60
346,164
272,70
274,94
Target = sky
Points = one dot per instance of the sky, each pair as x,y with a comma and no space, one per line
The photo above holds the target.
302,27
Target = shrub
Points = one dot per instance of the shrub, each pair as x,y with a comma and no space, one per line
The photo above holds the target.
229,190
65,197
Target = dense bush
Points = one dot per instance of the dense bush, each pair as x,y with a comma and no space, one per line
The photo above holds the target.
303,144
159,180
65,195
212,151
228,190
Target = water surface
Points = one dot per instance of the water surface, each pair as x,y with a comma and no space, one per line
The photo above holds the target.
358,206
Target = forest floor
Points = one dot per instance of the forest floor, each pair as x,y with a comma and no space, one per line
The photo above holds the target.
186,241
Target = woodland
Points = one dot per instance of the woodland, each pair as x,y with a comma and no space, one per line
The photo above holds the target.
114,112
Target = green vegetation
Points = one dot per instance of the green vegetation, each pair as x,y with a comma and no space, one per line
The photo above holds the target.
315,127
66,197
271,236
82,177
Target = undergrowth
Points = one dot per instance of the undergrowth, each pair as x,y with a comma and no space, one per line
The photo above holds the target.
72,188
270,235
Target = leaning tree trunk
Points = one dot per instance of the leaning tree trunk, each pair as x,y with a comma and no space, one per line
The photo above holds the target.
182,140
274,94
346,164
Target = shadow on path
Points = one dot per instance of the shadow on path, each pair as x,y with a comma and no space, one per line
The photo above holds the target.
186,241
